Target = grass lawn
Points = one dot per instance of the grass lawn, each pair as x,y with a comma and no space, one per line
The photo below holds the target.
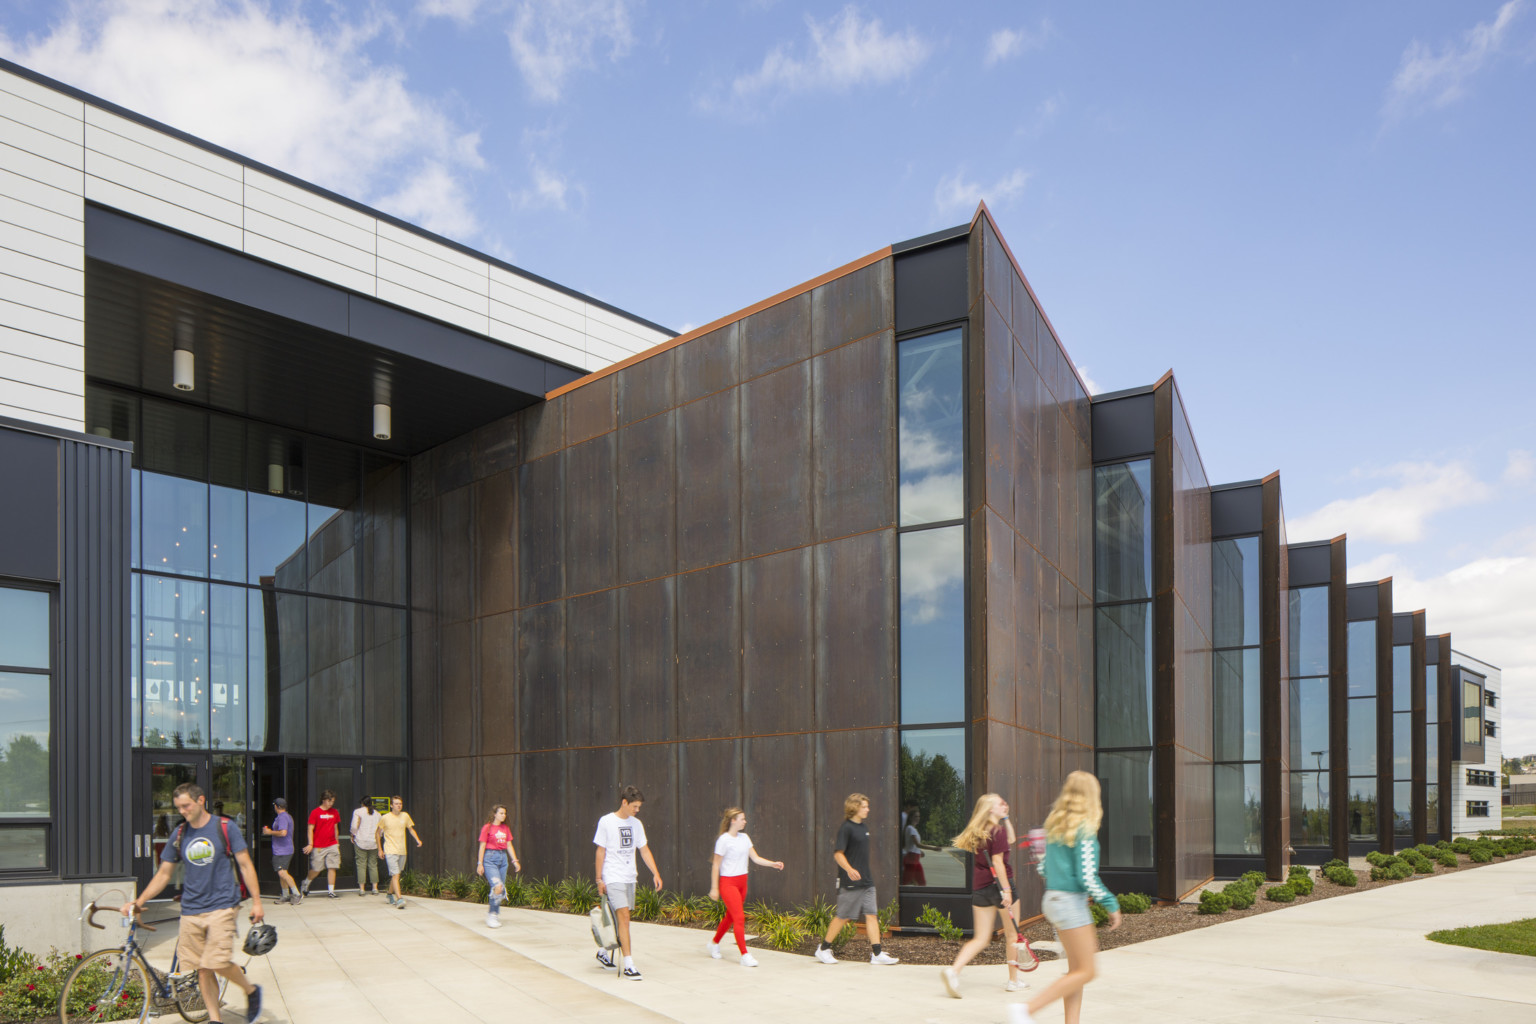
1520,824
1520,810
1515,937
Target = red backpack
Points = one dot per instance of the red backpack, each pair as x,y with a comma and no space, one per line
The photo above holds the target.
234,865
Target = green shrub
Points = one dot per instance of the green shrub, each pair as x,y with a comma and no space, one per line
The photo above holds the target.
817,915
1340,873
544,894
679,909
939,921
849,930
1254,878
432,885
480,890
1335,863
887,916
647,904
1396,871
1443,845
713,912
1423,865
458,885
1480,855
1282,893
1301,884
1378,859
410,883
1240,894
1425,849
517,891
783,931
762,912
1298,869
1135,903
1447,859
1099,914
1215,902
578,894
14,961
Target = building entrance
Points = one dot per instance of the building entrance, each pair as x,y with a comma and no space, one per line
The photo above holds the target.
157,773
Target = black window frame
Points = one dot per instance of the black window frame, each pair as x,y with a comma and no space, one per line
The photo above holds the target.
1478,809
48,824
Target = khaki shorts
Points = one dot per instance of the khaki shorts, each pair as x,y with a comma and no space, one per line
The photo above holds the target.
206,940
323,857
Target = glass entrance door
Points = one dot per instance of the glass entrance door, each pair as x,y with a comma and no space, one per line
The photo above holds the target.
345,779
158,774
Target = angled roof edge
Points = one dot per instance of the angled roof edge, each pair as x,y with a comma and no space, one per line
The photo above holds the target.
1110,396
1237,485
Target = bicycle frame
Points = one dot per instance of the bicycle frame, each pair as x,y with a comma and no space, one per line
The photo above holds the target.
163,991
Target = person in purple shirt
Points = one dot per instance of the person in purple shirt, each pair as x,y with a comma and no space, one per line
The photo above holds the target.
281,831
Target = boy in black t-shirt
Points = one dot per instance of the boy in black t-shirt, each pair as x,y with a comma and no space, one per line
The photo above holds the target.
855,885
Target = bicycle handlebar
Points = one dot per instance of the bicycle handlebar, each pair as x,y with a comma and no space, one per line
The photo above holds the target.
91,910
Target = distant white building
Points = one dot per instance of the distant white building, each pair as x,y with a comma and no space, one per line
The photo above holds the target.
1475,775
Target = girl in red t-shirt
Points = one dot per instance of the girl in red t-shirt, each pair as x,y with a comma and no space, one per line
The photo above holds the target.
495,849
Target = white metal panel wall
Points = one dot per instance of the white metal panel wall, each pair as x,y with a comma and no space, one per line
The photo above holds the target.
1493,760
56,152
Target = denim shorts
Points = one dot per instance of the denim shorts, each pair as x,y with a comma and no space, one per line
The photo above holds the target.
1065,910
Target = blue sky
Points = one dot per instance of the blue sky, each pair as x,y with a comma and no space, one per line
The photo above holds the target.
1318,215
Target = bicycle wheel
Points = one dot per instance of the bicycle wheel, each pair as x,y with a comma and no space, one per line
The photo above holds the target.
189,997
107,985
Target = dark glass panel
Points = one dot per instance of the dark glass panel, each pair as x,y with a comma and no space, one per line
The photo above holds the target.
24,630
1471,714
1402,749
933,625
384,667
1362,658
275,508
136,518
25,729
227,795
384,529
1362,808
1432,695
335,677
1432,806
1309,723
226,500
1362,736
1402,677
1126,834
1309,631
111,414
1309,809
175,642
24,849
932,773
1236,700
174,489
1235,592
1432,753
1123,639
1239,814
931,440
135,663
278,661
227,667
333,476
1402,808
1123,531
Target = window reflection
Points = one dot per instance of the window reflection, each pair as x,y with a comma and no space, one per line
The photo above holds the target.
932,778
1126,834
933,625
25,731
384,529
1402,745
227,667
1123,639
275,485
226,500
24,628
1310,820
1239,817
1362,658
930,410
1432,694
1237,705
1235,592
1309,631
1309,723
1361,814
1362,736
174,490
175,644
278,670
1402,678
335,484
1123,531
1402,808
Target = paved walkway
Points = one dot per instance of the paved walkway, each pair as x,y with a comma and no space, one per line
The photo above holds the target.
1356,958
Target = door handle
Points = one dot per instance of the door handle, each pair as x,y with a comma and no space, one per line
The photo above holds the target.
137,845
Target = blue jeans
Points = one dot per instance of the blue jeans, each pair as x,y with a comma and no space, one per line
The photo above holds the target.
496,874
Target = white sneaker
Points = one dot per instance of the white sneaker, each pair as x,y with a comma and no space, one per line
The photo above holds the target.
951,981
1018,1013
1016,986
714,950
748,960
825,956
883,959
493,920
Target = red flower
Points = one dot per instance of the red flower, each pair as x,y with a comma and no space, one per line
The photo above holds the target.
79,956
31,988
91,1008
40,967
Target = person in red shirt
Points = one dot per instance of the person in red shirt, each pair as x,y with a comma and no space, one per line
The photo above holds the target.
495,849
323,849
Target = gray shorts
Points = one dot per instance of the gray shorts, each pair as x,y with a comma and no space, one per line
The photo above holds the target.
394,862
621,895
323,857
853,904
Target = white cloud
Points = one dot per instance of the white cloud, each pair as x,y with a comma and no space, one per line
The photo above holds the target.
1521,467
273,85
955,194
845,52
552,39
1006,43
547,191
1395,513
1429,80
461,11
1088,382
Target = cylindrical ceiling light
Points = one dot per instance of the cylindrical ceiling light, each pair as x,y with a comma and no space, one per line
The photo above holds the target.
183,362
381,422
274,478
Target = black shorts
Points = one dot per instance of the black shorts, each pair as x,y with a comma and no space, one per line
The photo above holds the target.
280,861
987,896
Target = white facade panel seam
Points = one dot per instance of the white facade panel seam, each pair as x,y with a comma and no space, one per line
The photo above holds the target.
45,119
518,338
31,140
41,95
39,168
43,195
53,351
393,253
538,325
25,395
24,241
104,145
291,195
431,306
426,284
58,301
158,186
17,366
45,222
110,193
571,314
303,262
76,423
150,138
39,321
287,220
429,249
317,245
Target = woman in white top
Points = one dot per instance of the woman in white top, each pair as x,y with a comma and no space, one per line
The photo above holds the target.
365,845
728,880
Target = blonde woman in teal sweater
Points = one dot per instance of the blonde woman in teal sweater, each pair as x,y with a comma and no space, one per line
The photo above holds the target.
1070,868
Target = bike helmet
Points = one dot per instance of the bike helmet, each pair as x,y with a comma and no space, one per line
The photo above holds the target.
260,939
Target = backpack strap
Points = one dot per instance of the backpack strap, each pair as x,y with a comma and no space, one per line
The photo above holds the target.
180,839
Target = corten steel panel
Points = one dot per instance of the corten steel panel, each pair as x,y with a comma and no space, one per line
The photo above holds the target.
854,437
857,761
541,676
997,276
855,631
592,409
1274,707
1029,794
1421,823
853,306
997,440
654,769
458,689
592,669
591,792
555,842
776,460
462,813
709,681
1196,800
1049,720
424,555
1447,716
1026,448
500,784
1026,320
498,684
1086,710
1070,697
1000,672
708,481
1066,501
1165,696
777,644
1026,636
712,782
647,516
648,662
709,363
426,688
385,715
776,337
647,387
498,447
1338,694
590,559
454,465
1384,713
455,541
778,792
1048,497
495,559
424,803
540,517
543,429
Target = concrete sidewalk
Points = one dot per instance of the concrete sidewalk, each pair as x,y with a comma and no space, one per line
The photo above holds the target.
1355,958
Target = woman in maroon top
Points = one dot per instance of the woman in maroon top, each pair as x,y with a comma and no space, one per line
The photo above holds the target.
987,836
495,850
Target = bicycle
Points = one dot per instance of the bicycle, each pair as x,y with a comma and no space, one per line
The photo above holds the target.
120,984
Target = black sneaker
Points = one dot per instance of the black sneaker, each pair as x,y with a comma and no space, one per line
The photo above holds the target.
604,959
253,1004
332,894
632,974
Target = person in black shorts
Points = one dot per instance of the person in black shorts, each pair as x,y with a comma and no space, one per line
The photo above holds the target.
988,838
281,834
855,884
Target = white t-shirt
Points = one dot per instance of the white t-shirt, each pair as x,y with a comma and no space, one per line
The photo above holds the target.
733,854
912,841
365,826
622,838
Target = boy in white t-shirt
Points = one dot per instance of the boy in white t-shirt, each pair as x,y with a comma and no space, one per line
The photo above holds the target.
618,838
728,880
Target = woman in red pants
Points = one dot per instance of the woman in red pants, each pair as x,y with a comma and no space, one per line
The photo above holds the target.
728,880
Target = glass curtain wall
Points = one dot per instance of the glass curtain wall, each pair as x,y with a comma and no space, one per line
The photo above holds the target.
1402,741
26,726
1122,580
1236,719
931,538
1307,689
1363,803
1432,748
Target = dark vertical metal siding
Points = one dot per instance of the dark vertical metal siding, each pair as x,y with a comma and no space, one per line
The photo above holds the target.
93,759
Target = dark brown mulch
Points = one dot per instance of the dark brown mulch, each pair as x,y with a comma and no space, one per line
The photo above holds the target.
911,948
